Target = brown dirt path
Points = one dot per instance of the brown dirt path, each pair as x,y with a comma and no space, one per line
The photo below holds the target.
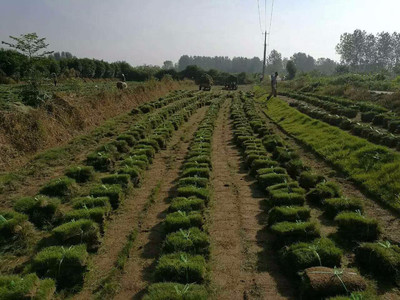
389,221
162,172
242,265
139,269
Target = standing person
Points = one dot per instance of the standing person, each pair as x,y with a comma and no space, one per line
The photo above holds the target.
274,85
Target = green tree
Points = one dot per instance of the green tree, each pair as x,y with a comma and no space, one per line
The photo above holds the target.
291,69
168,65
30,45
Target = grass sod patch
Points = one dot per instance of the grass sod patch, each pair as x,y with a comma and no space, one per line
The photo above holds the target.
26,287
382,259
96,214
180,267
356,227
182,220
134,173
289,232
81,174
334,206
283,197
186,204
288,213
375,168
63,187
192,240
101,161
90,202
193,191
10,223
309,180
176,291
194,181
112,191
77,232
320,252
66,265
196,172
266,180
121,179
322,191
138,163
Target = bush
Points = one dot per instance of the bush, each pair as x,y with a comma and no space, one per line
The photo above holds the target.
77,232
10,224
97,214
381,259
194,181
309,180
289,232
322,282
336,205
354,226
186,204
40,209
90,202
193,241
193,191
196,172
182,220
113,192
26,287
63,187
121,179
176,291
320,252
101,161
323,191
65,264
80,174
181,267
288,213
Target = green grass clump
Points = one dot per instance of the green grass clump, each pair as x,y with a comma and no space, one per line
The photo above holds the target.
282,198
90,202
121,179
192,240
63,187
354,226
97,214
133,162
26,287
262,164
101,161
122,146
195,181
277,170
289,232
336,205
200,159
80,173
176,291
181,267
151,143
10,223
77,232
320,252
195,164
288,213
322,191
266,180
196,172
66,265
186,204
144,150
127,138
41,210
193,191
112,191
309,180
134,173
182,220
382,259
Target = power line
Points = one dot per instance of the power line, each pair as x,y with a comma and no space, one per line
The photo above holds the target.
270,21
259,16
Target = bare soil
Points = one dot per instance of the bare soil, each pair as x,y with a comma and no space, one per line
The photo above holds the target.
242,264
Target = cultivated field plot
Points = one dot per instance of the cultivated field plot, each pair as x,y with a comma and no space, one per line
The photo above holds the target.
215,195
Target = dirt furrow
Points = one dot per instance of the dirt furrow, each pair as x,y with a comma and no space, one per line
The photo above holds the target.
140,267
242,266
159,178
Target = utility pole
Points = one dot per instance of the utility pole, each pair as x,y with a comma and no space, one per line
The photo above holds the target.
265,54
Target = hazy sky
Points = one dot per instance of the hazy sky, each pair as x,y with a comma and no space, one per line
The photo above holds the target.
152,31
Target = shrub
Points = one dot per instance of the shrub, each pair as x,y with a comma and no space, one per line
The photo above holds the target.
320,252
77,232
26,287
186,204
322,282
134,173
382,259
281,198
193,191
97,214
181,267
323,191
196,172
289,232
101,161
288,213
182,220
193,241
113,192
121,179
309,180
90,202
63,187
176,291
336,205
40,209
65,264
81,173
194,181
10,223
354,226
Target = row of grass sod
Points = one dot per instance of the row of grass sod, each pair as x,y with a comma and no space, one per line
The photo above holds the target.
375,168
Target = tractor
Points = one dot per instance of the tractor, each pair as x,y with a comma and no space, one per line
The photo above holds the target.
205,82
231,83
